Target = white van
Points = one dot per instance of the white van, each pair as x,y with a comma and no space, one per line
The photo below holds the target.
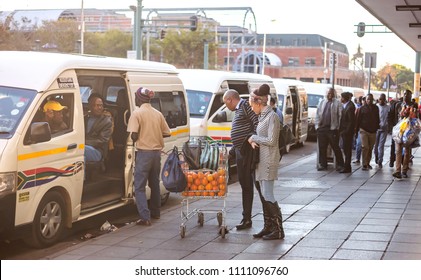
293,103
44,188
205,89
315,93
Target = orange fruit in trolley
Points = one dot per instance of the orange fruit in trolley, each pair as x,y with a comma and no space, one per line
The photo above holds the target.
205,181
222,187
189,178
208,187
200,187
211,193
221,193
200,175
221,179
221,171
194,175
197,181
210,177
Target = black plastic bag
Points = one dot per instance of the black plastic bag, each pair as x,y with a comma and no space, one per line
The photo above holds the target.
192,152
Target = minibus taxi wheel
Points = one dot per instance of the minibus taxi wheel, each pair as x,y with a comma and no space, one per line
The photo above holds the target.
48,224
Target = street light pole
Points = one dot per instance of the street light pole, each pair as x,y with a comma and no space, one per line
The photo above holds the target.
324,64
82,30
138,24
264,54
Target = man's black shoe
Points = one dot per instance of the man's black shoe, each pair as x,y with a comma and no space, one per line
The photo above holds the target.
244,224
391,164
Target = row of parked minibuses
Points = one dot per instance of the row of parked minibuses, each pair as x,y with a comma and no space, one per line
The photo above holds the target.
46,185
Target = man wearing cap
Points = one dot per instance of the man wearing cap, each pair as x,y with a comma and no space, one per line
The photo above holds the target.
346,129
148,129
53,114
98,129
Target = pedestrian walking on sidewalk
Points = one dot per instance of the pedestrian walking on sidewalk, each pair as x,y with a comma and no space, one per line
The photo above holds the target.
393,118
327,123
381,135
358,148
148,129
367,123
243,125
347,129
266,139
408,109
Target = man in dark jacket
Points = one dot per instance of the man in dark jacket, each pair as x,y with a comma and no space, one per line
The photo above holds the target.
244,123
368,122
98,130
346,129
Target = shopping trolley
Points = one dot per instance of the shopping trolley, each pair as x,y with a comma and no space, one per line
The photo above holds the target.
206,184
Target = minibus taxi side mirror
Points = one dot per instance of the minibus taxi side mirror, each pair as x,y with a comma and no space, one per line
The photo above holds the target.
220,117
38,132
288,111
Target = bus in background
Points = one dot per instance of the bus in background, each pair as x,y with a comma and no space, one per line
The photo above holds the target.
293,103
315,93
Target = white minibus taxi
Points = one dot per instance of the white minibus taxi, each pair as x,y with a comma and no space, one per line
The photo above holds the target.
293,103
46,185
315,93
205,89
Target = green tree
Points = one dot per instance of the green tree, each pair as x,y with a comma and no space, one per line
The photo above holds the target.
61,36
402,76
185,48
14,37
111,43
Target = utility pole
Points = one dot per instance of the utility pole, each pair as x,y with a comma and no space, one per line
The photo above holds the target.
138,24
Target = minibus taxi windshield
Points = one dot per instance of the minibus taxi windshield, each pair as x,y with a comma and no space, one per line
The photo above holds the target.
199,102
13,104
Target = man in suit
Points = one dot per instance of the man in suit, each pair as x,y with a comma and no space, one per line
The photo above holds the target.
328,116
346,129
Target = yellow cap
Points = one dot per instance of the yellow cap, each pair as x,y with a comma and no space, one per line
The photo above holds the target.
53,105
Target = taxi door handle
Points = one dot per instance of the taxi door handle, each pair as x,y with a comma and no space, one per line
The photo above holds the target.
72,146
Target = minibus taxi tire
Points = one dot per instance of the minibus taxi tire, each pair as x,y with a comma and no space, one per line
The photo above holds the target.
54,204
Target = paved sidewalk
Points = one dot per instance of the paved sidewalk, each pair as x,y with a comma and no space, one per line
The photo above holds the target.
365,215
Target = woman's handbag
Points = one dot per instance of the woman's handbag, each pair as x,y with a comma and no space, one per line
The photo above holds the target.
210,156
172,174
192,152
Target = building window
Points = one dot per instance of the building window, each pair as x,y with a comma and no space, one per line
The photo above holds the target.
293,61
310,61
231,60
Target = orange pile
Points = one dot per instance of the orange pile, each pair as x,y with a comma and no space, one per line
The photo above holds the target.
205,183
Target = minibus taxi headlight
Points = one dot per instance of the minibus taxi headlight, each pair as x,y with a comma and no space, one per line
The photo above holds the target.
7,182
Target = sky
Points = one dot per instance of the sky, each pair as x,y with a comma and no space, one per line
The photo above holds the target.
333,19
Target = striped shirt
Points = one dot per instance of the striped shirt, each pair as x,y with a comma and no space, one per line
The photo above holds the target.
244,123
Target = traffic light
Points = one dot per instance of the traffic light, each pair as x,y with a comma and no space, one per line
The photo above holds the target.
361,29
193,23
162,34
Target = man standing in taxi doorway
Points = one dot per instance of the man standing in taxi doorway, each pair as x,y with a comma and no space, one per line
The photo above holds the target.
148,129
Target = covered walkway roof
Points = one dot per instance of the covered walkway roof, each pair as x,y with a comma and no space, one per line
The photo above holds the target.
398,21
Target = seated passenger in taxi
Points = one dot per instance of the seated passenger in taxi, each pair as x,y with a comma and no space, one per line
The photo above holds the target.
98,130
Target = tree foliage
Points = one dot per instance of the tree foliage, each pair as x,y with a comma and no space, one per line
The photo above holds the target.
401,76
61,36
111,43
185,48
